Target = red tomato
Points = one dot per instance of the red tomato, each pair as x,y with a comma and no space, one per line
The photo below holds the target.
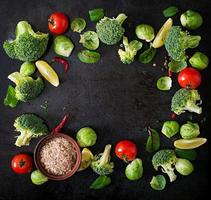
58,23
190,78
126,150
22,163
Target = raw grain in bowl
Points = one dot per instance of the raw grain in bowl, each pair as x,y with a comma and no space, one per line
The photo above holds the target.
58,156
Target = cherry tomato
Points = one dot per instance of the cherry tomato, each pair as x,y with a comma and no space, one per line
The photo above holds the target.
126,150
22,163
58,23
190,78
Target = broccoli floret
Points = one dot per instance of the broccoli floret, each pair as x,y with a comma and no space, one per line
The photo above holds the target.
186,100
30,126
26,88
131,49
110,30
28,45
177,41
166,159
101,163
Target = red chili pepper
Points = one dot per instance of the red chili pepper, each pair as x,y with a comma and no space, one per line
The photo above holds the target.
59,127
173,115
170,73
63,62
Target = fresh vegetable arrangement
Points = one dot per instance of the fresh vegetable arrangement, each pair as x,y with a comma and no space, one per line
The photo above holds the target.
29,47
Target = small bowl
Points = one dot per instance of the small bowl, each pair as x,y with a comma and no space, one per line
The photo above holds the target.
39,166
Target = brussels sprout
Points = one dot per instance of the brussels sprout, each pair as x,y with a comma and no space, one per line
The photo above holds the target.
134,170
63,46
90,40
78,25
158,182
199,60
27,69
191,19
145,32
38,178
164,83
184,167
189,130
86,137
170,128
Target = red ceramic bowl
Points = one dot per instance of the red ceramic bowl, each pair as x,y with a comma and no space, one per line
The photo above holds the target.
39,166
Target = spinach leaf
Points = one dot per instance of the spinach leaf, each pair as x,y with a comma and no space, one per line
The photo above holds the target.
96,14
10,99
100,182
170,11
153,141
147,56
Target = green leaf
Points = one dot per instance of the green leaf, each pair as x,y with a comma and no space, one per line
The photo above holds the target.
10,99
177,66
170,11
89,57
147,56
153,141
96,14
189,154
100,182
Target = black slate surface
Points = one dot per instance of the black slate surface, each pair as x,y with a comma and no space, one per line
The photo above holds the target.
117,100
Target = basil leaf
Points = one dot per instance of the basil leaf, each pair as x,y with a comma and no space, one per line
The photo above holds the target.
153,141
89,57
177,66
100,182
170,11
147,56
96,14
10,99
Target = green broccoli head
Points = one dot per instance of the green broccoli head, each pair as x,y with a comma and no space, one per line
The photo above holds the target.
28,45
186,100
110,30
30,126
26,88
166,159
177,41
131,50
101,163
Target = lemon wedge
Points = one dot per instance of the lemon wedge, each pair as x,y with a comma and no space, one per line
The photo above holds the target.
86,159
47,72
189,143
161,35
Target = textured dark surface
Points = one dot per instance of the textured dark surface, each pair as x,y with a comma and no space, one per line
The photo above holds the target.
117,100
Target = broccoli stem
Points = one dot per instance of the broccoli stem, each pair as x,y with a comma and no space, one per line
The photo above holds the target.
22,27
23,139
172,176
195,109
15,77
105,158
121,18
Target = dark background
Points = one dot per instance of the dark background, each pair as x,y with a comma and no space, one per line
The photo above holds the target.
117,100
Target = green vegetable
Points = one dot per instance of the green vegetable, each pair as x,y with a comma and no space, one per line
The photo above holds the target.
101,163
158,182
78,25
147,56
145,32
10,99
170,128
184,167
63,46
26,88
134,170
90,40
153,141
28,45
189,154
86,137
170,11
166,159
189,130
27,69
38,178
131,49
186,100
110,30
96,14
177,66
164,83
177,41
199,60
30,126
191,19
100,182
89,57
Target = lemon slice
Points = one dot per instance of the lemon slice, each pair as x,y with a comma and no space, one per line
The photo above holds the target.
189,144
86,159
161,35
47,72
